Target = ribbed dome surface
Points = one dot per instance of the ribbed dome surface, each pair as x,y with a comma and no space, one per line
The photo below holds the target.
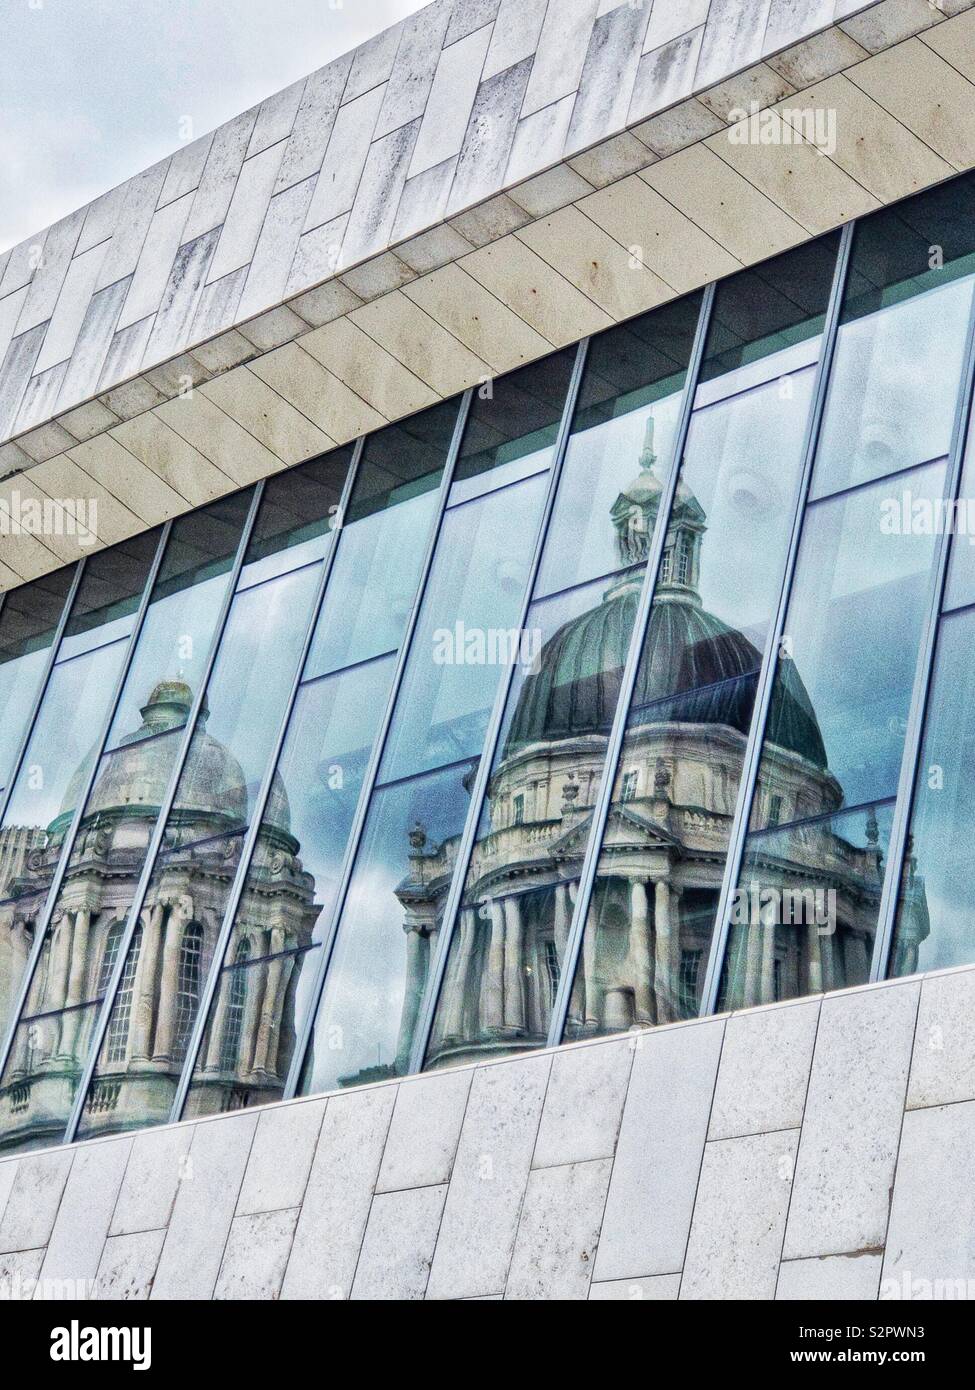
575,689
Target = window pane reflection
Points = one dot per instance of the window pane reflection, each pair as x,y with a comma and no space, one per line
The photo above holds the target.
161,986
28,621
906,306
844,681
805,913
378,971
936,914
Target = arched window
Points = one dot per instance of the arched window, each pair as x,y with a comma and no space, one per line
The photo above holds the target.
233,1023
187,987
117,1038
110,955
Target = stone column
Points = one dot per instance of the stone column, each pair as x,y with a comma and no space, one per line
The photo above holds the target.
166,1021
492,1001
768,915
417,959
563,917
144,986
753,960
274,1051
455,992
76,979
269,1011
641,966
663,972
514,979
214,1036
814,959
57,979
254,976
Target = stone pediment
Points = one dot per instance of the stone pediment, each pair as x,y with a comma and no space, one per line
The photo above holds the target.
625,829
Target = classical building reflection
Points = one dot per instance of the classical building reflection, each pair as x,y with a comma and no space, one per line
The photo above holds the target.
148,1030
663,853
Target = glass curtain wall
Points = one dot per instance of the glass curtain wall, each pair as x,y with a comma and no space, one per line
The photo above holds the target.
209,856
173,921
804,916
467,631
662,857
274,950
508,946
63,745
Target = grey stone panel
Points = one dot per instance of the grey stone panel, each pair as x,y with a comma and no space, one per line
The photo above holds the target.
82,1223
943,1064
157,1165
281,1157
764,1070
135,216
561,53
489,136
584,1104
128,1267
256,1255
204,1208
424,1132
15,371
339,1194
480,1219
413,68
558,1232
852,1122
306,148
397,1248
49,276
33,1201
659,1153
220,173
374,210
174,323
609,75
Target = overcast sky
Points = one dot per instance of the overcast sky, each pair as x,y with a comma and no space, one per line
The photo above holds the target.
92,91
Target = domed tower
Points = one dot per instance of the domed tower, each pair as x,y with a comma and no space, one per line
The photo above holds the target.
664,848
175,940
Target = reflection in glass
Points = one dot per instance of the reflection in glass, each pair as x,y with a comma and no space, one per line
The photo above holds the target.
291,884
376,978
651,915
843,685
37,1087
28,620
906,305
161,985
936,914
805,914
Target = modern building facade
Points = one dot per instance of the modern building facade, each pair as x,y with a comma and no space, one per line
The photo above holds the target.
483,663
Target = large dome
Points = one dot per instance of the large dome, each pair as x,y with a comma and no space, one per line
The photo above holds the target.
137,774
574,691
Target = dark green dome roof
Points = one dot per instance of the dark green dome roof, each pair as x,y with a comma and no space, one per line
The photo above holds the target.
575,688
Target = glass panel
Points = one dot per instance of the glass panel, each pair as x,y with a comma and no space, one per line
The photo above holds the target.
109,594
291,884
244,703
463,638
959,521
382,543
176,635
378,970
651,915
509,945
298,513
473,597
28,620
625,419
130,785
804,916
936,914
835,731
507,948
37,1085
761,316
512,427
906,305
161,986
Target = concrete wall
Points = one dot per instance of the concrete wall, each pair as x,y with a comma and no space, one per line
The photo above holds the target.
818,1149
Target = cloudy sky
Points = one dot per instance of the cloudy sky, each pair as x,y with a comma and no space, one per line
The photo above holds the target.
92,91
